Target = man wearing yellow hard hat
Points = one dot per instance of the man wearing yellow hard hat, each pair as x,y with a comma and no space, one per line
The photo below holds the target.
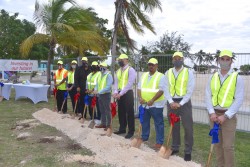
180,86
224,97
103,91
151,90
60,78
81,74
123,92
92,80
71,86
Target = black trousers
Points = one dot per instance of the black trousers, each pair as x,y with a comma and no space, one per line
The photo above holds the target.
72,93
81,102
60,99
126,112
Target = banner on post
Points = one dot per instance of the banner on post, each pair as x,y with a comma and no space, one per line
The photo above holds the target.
18,65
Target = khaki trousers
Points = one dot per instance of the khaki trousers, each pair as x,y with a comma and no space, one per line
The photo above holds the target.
224,150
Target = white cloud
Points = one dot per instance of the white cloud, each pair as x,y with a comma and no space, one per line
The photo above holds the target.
207,24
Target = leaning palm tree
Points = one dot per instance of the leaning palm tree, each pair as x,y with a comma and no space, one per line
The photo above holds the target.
74,27
133,12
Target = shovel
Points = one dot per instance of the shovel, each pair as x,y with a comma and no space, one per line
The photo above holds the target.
1,85
136,142
64,99
113,114
82,119
166,151
76,97
93,105
86,102
215,139
54,92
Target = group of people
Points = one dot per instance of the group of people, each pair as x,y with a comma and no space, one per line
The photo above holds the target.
224,96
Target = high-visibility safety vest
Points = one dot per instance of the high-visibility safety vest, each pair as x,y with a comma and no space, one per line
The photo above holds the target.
92,80
223,94
102,82
59,78
122,77
71,77
149,89
178,85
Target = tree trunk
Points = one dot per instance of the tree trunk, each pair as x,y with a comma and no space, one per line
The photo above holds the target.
50,55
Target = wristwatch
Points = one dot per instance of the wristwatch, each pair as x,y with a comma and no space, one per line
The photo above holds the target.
226,116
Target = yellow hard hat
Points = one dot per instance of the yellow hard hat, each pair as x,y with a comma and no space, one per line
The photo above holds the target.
74,62
180,54
123,56
84,58
94,63
226,53
104,64
60,62
153,61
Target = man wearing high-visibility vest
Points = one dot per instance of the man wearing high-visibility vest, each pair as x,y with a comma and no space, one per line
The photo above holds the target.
123,92
60,84
224,96
151,88
92,80
180,86
71,87
103,91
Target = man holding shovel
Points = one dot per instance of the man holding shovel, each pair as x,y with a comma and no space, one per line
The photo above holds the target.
124,80
151,91
60,84
224,96
180,86
103,90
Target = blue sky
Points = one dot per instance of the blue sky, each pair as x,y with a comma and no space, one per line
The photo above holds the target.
206,24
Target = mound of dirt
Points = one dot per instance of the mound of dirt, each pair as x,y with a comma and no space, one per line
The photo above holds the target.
114,150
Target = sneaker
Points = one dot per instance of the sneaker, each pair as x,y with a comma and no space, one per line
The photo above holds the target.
128,136
187,157
174,152
119,132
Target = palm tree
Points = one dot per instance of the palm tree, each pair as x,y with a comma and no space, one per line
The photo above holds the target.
133,12
74,27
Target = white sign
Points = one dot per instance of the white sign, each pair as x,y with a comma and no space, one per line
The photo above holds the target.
18,65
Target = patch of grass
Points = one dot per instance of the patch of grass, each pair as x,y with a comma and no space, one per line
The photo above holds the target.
31,151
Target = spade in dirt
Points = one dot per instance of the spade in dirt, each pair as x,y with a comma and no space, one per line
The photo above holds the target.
166,151
136,142
86,102
65,95
93,105
76,98
113,114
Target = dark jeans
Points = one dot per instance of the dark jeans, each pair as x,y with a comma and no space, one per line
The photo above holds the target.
60,99
104,103
157,114
72,93
81,102
126,112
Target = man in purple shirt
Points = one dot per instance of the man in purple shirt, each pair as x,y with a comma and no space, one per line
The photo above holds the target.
124,80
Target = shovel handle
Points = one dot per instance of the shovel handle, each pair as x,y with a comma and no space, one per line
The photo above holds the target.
93,113
75,107
210,155
63,104
139,131
169,135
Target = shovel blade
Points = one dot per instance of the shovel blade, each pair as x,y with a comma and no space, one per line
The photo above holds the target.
139,142
91,124
81,120
165,152
73,116
134,142
109,132
1,98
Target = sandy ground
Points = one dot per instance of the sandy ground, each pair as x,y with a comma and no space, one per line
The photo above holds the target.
114,150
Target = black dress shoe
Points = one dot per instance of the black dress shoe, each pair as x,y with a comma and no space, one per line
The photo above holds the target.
128,136
174,152
187,157
119,132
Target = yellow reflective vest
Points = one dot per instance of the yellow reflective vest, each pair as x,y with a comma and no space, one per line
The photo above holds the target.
179,84
223,94
71,77
149,89
102,82
59,78
92,80
122,77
